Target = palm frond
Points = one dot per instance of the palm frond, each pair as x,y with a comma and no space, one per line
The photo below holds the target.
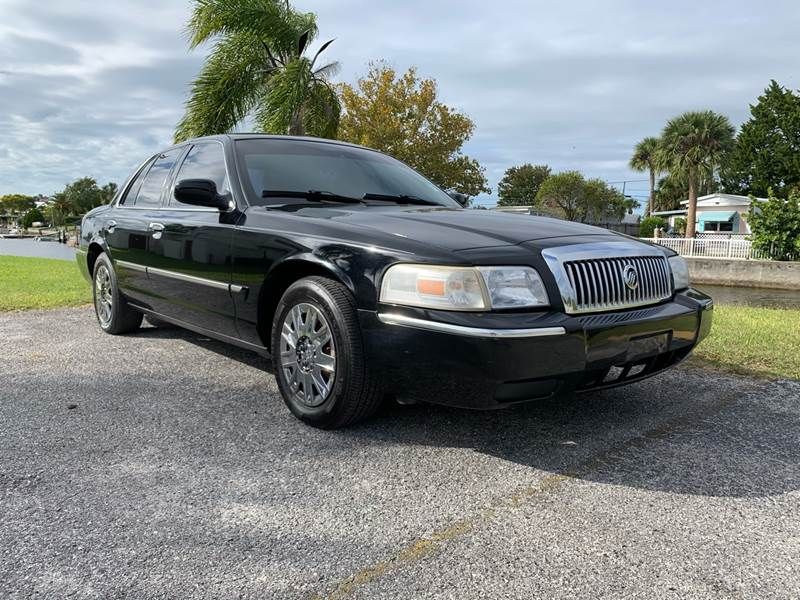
328,70
274,21
226,89
285,95
320,51
322,110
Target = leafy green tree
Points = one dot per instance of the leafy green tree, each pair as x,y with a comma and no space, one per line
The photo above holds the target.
604,203
520,185
258,67
572,197
16,203
83,194
563,194
767,152
108,191
34,215
775,226
693,144
400,115
648,225
647,156
679,225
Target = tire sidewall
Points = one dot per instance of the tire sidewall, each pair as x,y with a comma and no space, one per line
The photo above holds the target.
308,291
115,297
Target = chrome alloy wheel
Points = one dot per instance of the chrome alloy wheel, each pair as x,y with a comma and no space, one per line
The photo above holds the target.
103,298
308,355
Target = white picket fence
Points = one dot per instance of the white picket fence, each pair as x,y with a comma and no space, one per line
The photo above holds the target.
707,247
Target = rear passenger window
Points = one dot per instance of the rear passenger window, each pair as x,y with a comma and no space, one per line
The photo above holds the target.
150,191
204,161
133,188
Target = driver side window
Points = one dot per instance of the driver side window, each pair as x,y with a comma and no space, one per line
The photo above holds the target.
204,161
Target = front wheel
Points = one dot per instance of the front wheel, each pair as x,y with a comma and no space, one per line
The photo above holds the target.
110,306
318,355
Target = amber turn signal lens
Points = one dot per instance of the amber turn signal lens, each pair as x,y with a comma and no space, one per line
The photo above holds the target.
430,287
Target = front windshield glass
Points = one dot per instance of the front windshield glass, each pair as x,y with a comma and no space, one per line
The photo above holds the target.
269,165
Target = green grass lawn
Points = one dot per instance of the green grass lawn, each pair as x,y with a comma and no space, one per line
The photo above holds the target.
753,341
41,283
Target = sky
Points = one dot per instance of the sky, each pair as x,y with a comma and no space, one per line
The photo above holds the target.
93,88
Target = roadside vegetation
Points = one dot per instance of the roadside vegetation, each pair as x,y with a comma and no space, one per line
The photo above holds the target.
753,341
27,283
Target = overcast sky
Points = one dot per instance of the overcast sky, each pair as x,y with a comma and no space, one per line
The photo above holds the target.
92,88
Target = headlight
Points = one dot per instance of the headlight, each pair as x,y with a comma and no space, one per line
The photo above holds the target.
463,288
680,272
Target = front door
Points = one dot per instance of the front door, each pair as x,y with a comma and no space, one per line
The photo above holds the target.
189,267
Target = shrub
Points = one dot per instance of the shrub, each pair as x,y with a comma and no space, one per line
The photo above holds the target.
31,217
775,226
649,225
680,226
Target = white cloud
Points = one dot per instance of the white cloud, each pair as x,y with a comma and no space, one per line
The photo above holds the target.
88,88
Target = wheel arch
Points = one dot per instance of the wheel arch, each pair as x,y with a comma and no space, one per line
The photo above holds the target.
94,249
283,275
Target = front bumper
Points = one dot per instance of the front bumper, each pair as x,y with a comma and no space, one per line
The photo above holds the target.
492,360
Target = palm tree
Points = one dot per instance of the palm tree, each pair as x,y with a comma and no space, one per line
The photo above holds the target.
647,157
693,145
60,208
258,67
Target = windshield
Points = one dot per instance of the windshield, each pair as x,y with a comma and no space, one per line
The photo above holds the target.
271,165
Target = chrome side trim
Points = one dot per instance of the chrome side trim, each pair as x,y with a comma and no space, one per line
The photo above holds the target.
217,285
131,266
189,278
404,321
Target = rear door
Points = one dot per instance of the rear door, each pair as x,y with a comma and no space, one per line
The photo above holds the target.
126,238
189,265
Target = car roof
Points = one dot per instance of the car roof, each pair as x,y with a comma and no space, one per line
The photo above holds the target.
228,137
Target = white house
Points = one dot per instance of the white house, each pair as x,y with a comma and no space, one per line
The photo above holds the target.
716,213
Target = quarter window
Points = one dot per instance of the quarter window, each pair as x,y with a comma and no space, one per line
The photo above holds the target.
150,191
204,161
133,188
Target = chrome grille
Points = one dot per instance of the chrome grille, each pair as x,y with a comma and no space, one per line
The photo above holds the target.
599,284
590,275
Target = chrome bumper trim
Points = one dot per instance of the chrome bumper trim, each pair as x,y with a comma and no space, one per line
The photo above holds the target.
404,321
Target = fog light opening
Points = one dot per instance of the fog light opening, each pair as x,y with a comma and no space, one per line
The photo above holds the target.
613,374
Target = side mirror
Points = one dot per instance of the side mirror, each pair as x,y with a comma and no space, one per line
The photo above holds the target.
462,199
200,192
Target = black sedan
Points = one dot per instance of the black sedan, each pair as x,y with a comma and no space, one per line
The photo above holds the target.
361,279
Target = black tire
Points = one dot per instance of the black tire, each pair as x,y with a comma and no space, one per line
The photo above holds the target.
112,310
354,393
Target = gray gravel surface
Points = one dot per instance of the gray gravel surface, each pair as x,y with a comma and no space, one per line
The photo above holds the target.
179,473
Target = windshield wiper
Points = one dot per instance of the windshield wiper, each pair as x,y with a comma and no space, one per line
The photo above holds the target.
400,199
312,195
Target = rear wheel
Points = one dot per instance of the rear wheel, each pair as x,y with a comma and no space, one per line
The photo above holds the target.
318,355
112,310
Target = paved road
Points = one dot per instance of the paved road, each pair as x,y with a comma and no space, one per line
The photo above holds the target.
180,474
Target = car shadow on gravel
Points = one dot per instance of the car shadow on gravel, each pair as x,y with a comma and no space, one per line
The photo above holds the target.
686,431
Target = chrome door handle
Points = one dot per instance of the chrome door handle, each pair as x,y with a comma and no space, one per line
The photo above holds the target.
110,225
157,229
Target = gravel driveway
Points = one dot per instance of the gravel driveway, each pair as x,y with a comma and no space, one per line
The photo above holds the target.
178,473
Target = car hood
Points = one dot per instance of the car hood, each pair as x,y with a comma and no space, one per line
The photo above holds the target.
453,229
